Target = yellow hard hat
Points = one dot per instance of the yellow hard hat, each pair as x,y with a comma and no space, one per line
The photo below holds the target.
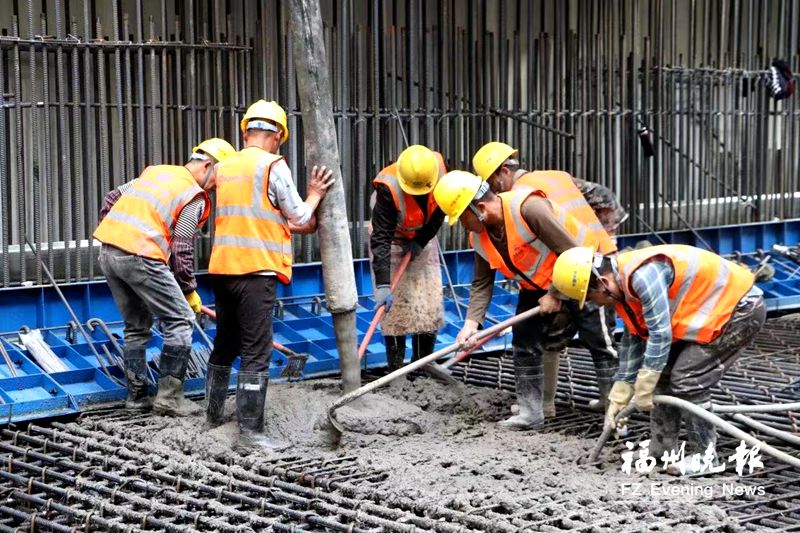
219,149
491,155
455,191
572,272
417,169
267,111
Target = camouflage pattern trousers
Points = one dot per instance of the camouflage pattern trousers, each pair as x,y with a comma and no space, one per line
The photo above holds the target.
694,369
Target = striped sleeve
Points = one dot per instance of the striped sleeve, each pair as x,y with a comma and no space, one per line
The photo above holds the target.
651,283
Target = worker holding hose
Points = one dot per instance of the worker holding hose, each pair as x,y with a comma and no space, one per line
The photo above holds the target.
520,233
147,227
406,219
594,206
257,209
688,314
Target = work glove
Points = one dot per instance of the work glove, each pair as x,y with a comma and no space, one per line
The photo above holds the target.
621,393
414,248
194,301
646,381
383,296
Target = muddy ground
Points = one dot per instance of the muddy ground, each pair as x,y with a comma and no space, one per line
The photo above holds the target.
440,445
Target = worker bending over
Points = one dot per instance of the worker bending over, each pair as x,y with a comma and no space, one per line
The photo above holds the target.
688,314
257,209
519,232
147,227
405,218
498,164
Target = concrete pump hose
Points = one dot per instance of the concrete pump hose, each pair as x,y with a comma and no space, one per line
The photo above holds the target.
728,428
763,408
768,430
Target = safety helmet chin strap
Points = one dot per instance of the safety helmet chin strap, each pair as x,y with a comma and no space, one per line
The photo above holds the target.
208,173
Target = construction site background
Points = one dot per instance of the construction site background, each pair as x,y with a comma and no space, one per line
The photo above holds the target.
92,92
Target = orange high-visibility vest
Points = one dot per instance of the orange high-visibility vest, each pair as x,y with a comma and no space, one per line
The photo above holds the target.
532,260
252,235
410,218
142,220
559,188
704,293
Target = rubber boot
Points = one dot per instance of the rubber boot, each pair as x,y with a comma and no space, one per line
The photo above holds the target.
395,351
529,376
551,364
136,377
422,344
665,424
604,368
172,370
251,400
701,437
218,379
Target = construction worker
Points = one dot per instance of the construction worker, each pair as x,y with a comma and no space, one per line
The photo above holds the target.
147,227
498,164
688,314
405,218
520,233
257,209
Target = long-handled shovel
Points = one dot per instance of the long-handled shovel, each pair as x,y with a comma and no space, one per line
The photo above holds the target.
332,429
295,362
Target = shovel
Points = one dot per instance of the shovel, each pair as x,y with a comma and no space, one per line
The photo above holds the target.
331,427
295,362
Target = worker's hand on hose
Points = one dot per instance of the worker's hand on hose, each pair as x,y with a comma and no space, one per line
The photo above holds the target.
320,181
414,248
549,303
194,302
644,388
383,296
466,337
619,397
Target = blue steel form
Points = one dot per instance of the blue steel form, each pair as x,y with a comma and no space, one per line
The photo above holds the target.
301,323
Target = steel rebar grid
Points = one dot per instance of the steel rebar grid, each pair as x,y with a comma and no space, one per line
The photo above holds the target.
456,73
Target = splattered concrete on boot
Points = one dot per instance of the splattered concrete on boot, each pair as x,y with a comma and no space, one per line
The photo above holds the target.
440,445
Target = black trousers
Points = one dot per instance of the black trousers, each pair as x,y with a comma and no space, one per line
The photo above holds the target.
552,332
244,320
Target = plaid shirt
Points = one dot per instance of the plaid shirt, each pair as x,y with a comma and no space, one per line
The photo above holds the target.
651,282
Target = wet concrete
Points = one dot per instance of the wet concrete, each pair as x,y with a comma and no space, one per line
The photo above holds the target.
440,446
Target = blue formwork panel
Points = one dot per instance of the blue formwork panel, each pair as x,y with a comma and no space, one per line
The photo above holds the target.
301,322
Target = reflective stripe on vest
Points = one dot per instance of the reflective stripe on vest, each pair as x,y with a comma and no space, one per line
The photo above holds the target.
559,188
529,255
142,220
702,297
251,234
410,218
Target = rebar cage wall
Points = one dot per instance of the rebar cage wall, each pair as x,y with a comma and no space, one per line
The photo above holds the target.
93,91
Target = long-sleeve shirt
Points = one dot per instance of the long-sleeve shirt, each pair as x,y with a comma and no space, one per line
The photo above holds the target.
283,194
651,283
384,224
538,214
181,259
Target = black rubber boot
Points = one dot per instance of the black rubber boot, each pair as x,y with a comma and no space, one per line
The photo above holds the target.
701,436
665,424
172,370
529,375
251,400
422,344
136,377
218,380
395,352
604,368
